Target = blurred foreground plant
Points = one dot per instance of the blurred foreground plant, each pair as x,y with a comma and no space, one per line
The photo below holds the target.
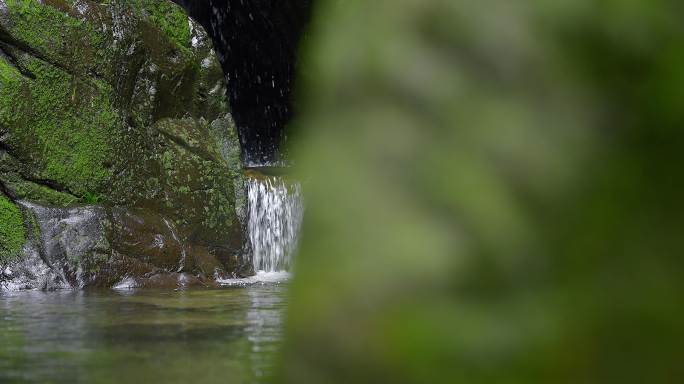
493,193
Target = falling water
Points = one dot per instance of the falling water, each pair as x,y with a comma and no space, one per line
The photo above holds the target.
275,217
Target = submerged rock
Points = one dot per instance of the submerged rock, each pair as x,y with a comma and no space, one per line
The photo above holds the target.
119,157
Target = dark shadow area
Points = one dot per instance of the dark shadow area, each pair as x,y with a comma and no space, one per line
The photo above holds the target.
256,42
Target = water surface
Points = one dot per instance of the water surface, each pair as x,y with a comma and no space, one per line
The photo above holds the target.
224,335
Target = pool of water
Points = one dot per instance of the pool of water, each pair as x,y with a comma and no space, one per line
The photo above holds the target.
228,335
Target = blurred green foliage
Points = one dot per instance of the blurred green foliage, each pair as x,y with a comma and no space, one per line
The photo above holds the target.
493,193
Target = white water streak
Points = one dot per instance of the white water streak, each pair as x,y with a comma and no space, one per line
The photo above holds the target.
275,218
260,278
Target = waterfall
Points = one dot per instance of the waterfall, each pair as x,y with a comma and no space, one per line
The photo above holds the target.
275,217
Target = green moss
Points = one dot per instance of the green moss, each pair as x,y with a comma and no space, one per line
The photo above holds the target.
61,37
91,198
60,124
10,78
63,126
27,14
169,17
12,231
8,73
26,190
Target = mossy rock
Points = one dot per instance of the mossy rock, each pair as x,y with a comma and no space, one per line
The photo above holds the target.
12,232
122,105
171,19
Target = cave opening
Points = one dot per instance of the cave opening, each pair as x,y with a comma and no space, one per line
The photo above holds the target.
256,42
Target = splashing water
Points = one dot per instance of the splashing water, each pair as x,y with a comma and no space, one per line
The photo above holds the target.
275,217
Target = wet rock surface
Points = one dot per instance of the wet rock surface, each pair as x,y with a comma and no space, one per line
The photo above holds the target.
119,157
72,242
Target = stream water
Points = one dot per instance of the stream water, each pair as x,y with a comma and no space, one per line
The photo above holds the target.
226,335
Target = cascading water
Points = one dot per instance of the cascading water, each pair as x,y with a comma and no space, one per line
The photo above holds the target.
275,218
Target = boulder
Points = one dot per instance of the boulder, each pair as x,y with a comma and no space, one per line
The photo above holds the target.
119,157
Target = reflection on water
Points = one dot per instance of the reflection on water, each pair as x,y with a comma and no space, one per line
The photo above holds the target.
227,336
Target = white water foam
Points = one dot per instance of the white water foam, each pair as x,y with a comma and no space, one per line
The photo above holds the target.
260,278
125,284
275,218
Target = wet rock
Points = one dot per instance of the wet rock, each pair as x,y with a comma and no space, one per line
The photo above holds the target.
72,241
167,280
116,143
149,238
